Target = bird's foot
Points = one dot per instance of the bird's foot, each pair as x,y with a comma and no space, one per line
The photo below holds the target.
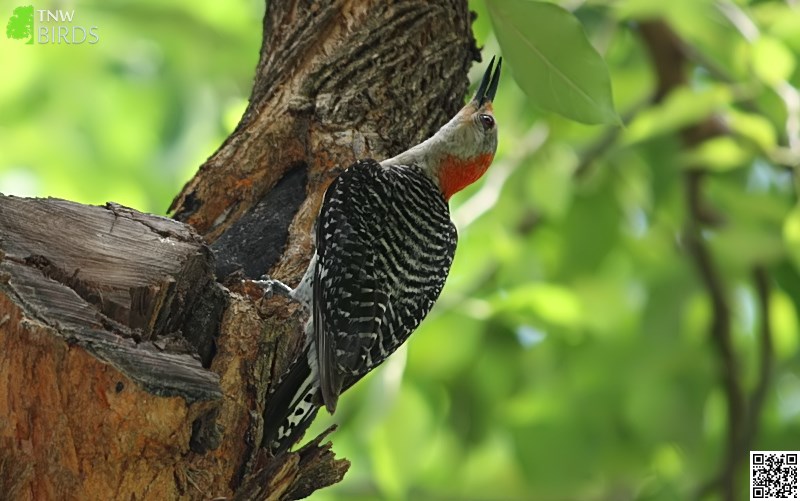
272,287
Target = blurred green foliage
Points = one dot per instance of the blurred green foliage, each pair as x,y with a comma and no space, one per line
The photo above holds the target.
130,118
569,356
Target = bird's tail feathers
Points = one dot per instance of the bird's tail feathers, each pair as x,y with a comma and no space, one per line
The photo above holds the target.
291,407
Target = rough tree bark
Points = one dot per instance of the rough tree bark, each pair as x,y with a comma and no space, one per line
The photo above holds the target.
127,368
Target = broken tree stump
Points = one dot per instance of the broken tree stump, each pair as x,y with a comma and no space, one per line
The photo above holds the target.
103,312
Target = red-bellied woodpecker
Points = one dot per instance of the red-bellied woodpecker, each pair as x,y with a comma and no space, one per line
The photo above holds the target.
384,246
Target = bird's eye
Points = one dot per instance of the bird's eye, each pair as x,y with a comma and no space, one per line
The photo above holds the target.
487,121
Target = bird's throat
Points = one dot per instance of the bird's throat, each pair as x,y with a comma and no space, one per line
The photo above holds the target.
455,173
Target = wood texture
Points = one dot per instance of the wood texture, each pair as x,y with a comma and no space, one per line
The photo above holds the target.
127,368
96,390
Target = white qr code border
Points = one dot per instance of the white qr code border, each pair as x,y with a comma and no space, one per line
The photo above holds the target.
763,467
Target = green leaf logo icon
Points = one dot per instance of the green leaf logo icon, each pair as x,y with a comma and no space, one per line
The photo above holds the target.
20,26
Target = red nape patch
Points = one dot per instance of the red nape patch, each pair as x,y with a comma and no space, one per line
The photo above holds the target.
455,173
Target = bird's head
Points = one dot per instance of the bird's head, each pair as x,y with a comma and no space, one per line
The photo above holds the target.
468,141
461,151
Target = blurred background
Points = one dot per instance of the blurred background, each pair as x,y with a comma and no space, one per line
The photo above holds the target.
576,350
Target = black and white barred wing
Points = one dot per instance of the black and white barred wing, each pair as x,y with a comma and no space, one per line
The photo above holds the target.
385,244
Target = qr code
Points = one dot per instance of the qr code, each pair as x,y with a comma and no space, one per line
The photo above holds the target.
773,475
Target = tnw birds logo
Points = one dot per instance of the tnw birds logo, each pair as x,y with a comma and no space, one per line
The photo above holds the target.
44,26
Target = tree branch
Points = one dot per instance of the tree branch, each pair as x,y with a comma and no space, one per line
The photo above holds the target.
766,357
670,60
720,331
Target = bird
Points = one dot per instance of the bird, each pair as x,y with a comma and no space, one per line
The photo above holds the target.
384,243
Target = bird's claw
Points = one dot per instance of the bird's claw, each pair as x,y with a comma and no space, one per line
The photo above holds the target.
272,287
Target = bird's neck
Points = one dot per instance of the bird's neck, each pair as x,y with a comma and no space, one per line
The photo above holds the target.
437,158
450,172
454,173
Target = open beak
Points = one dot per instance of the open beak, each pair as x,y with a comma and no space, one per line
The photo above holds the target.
488,86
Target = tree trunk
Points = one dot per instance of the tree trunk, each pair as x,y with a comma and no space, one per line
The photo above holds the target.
127,368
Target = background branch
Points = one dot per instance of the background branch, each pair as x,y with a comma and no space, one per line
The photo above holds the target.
766,357
670,62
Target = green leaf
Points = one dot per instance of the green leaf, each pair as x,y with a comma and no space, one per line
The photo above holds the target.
772,61
719,154
553,61
552,303
754,127
784,321
683,106
791,234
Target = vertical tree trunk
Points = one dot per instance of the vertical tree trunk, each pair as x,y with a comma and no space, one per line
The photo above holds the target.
126,369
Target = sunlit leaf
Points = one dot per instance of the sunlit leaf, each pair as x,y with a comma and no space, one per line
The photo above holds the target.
718,154
791,234
551,303
782,20
714,415
668,461
682,107
756,128
552,60
696,319
772,61
783,315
